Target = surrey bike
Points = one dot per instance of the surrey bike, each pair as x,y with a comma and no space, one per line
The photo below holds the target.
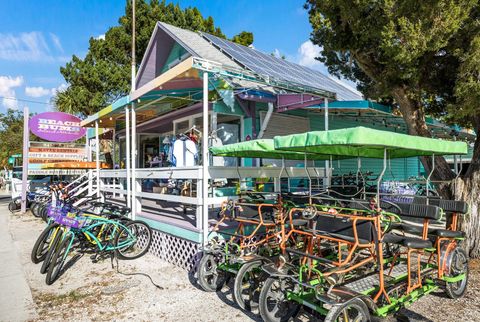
385,260
258,220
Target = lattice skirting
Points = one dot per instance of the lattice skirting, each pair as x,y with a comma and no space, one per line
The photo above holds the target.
177,251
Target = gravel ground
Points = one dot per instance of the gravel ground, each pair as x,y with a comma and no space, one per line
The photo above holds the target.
94,291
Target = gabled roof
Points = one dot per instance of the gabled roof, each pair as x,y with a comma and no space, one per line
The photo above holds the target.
196,45
232,55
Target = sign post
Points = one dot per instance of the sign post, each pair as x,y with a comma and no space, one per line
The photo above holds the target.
26,135
52,127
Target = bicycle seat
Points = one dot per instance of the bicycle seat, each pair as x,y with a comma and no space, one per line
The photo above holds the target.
447,233
410,242
414,229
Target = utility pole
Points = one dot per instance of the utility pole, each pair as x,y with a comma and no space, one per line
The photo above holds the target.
133,132
133,46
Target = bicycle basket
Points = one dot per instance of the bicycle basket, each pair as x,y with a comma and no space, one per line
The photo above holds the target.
71,220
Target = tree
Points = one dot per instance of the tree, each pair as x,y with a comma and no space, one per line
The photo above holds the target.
244,38
11,135
104,74
423,55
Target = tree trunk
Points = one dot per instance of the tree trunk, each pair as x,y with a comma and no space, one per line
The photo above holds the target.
414,117
468,189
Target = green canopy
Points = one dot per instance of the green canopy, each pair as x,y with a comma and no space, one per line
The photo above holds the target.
367,143
262,148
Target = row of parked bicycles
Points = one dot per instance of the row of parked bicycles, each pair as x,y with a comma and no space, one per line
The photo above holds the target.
339,257
76,226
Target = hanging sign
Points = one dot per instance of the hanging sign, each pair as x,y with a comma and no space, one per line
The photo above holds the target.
56,127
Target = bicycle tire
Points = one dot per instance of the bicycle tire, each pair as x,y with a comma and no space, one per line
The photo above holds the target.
12,206
43,211
35,209
210,278
42,241
51,251
273,284
58,260
255,277
121,253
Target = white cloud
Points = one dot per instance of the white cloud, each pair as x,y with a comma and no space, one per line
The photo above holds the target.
37,91
57,89
277,53
7,90
102,37
56,42
307,53
29,46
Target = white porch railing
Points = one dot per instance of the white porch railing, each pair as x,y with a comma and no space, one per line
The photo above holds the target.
114,181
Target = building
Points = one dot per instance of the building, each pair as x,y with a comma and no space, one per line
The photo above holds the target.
246,94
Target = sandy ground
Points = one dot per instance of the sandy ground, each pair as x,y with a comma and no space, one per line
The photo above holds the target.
94,291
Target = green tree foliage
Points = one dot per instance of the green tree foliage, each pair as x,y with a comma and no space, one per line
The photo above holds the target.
422,55
104,74
244,38
467,87
402,49
11,135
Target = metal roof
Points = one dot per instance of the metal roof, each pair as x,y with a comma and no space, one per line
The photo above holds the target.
230,54
266,64
196,45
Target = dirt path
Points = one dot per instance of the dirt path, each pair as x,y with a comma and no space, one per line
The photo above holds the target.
94,291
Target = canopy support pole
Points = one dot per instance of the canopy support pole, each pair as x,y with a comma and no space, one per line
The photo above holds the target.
280,176
114,159
309,180
380,177
205,162
327,163
134,163
97,157
459,172
359,168
430,175
127,155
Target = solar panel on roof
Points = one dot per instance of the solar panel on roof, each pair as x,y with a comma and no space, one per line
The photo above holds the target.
269,65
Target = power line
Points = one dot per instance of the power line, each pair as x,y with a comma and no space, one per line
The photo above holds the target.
24,100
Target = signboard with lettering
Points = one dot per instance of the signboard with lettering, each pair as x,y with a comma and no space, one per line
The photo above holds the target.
56,127
50,152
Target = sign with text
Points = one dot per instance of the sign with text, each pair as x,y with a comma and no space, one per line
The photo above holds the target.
38,154
56,127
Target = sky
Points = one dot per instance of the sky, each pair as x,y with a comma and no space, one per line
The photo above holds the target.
38,37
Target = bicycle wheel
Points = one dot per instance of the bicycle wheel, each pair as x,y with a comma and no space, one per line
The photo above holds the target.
248,283
210,278
58,260
51,251
34,208
135,242
274,305
353,310
458,265
42,245
43,211
13,206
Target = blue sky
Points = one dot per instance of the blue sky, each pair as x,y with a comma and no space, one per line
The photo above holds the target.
38,37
